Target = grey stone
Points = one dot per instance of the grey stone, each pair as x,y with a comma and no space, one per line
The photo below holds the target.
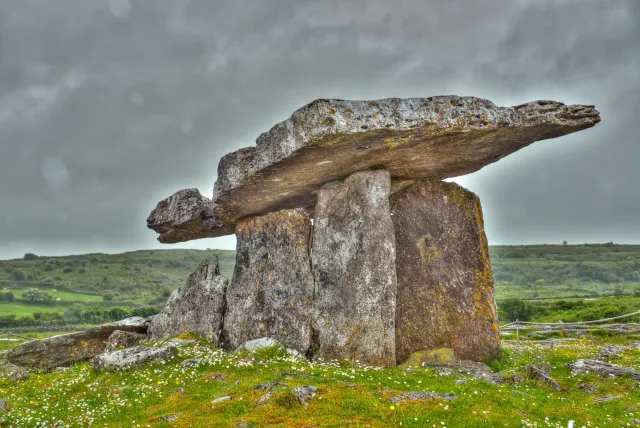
193,362
270,385
221,399
4,406
123,339
19,374
354,267
445,292
196,308
472,368
264,399
610,352
602,368
536,372
304,394
271,291
420,395
69,348
131,357
168,419
327,140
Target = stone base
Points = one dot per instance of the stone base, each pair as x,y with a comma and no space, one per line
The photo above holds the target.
445,295
271,292
354,267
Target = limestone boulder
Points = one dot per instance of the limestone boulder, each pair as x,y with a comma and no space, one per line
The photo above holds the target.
445,295
69,348
131,357
197,307
271,292
327,140
354,267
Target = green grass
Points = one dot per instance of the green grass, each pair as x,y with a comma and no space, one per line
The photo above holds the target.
348,394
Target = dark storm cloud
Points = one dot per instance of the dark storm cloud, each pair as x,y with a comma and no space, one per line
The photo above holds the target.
108,106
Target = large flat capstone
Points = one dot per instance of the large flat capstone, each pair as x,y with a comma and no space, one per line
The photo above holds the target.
327,140
197,307
354,266
445,295
271,292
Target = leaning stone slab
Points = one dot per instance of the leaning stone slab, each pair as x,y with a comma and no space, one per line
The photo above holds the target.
445,288
197,307
131,357
354,267
69,348
272,287
327,140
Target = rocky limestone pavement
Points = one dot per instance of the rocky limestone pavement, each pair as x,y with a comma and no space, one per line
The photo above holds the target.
354,267
303,394
445,292
197,307
602,368
123,339
271,292
69,348
473,369
131,357
327,140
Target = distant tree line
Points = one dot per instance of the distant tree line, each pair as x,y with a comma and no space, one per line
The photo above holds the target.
76,315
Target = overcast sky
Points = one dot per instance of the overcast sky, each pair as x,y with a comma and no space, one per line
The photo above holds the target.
106,107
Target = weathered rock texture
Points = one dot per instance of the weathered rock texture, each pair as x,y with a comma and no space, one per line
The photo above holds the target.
197,307
66,349
354,266
272,287
445,292
327,140
123,339
131,357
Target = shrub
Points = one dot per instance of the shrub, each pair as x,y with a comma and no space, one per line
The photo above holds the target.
67,270
516,309
18,275
30,256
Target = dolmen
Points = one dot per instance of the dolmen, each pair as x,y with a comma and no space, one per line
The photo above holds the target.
349,243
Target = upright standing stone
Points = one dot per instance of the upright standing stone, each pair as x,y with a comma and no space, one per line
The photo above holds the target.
445,287
197,307
354,266
272,287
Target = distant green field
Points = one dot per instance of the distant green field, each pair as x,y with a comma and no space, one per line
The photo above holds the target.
538,273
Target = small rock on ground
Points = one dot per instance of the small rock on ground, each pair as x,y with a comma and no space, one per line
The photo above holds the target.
265,399
4,406
269,385
221,399
19,374
192,362
420,395
304,393
171,418
607,398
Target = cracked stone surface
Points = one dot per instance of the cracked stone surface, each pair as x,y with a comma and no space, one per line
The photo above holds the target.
197,307
354,267
445,295
271,292
327,140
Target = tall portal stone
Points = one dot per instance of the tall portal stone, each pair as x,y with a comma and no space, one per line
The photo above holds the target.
197,307
272,287
354,267
445,292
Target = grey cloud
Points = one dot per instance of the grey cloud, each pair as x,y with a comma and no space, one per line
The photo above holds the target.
108,106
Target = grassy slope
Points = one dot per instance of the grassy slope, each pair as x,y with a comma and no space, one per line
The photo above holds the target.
347,395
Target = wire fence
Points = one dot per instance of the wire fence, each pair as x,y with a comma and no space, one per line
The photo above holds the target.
10,337
548,326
